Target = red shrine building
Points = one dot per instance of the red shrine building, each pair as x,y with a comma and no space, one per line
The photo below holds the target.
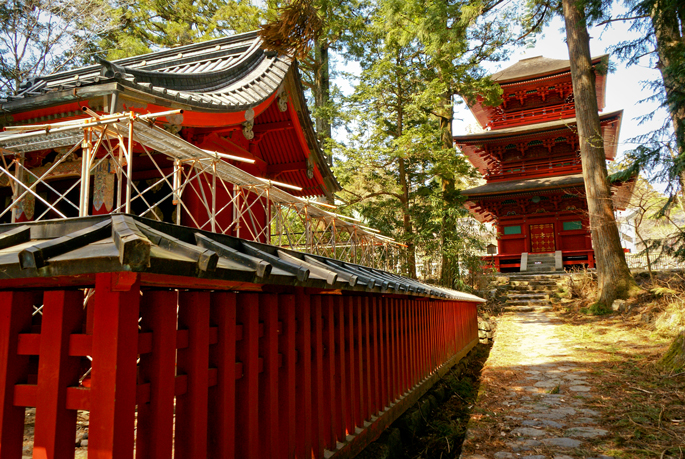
236,99
530,158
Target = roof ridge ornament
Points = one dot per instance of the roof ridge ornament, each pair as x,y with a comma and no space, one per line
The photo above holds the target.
282,99
247,129
110,69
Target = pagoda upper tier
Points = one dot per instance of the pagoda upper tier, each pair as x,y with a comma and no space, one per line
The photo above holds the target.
547,148
535,90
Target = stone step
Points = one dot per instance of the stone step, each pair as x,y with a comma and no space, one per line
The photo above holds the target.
528,296
528,302
527,308
524,276
551,284
534,288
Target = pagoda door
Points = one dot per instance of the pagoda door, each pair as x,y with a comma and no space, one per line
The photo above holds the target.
542,238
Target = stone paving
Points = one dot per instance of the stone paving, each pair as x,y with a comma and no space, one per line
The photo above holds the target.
533,399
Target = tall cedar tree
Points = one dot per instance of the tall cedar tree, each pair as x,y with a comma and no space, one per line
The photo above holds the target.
614,278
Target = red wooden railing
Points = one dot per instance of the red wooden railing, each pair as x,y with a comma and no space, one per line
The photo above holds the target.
531,116
218,374
544,167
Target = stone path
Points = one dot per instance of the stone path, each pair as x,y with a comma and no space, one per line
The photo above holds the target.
533,399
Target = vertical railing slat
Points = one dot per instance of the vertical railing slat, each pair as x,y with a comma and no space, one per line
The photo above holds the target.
155,426
247,384
286,378
320,425
193,361
268,379
341,376
55,426
304,374
222,356
15,317
329,409
113,382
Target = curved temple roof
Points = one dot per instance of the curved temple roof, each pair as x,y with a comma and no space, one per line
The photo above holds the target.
536,67
76,249
231,73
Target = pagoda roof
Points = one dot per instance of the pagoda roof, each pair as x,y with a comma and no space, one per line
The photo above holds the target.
231,73
536,67
517,186
621,191
469,142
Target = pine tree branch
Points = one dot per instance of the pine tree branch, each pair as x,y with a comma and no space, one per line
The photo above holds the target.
622,19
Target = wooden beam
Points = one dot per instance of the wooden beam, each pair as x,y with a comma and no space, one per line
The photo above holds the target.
270,127
275,169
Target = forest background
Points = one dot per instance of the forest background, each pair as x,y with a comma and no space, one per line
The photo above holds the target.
382,78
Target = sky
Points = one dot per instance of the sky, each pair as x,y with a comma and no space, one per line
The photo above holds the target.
623,90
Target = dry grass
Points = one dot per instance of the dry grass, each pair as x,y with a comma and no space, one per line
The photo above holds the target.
642,406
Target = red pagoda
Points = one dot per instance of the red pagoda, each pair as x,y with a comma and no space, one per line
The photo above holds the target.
530,158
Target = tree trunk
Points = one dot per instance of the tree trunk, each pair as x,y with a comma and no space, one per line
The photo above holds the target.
674,359
613,275
404,182
649,260
406,221
447,269
322,93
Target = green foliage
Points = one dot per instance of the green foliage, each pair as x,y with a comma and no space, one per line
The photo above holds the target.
148,25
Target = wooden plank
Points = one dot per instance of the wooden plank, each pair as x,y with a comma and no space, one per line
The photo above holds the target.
304,373
155,425
15,236
286,397
268,379
15,317
133,246
247,387
113,383
320,425
261,267
376,375
55,426
329,409
352,367
359,356
385,351
340,374
368,362
191,408
221,415
394,363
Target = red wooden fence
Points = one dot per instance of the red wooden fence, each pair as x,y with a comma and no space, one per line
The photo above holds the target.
219,374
